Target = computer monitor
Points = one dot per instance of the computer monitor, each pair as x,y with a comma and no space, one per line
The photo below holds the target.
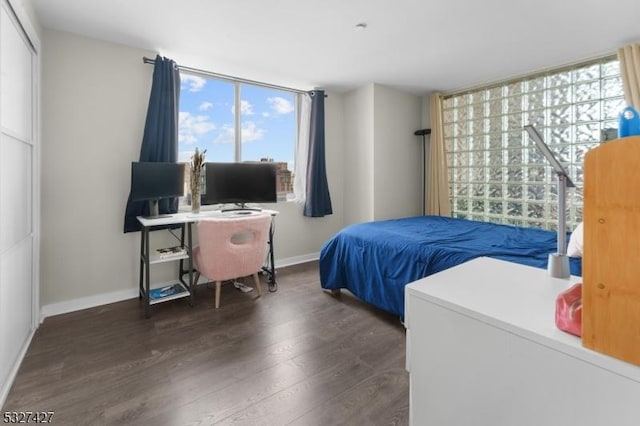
152,181
240,183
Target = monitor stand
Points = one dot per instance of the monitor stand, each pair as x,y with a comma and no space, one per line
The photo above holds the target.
241,207
154,211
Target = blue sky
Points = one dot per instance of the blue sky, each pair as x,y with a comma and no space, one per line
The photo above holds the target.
207,121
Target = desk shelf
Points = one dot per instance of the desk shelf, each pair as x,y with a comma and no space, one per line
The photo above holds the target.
185,221
182,292
154,258
149,257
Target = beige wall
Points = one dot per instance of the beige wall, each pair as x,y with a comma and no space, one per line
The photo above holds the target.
94,103
94,100
397,162
382,155
358,155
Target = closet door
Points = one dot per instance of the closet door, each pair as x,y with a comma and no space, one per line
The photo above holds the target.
17,162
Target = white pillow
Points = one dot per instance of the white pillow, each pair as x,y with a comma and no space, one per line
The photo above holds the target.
576,242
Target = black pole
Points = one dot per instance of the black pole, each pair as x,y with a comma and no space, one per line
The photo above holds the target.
423,133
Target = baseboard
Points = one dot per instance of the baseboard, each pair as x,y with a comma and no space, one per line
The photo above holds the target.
86,302
295,260
6,386
118,296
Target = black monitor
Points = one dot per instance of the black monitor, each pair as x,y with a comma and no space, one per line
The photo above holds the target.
151,181
240,183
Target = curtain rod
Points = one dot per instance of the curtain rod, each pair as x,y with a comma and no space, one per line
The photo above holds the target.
229,77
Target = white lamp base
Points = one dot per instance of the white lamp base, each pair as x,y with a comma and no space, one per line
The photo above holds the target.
558,265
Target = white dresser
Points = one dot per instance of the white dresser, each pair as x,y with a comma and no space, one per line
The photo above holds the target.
483,349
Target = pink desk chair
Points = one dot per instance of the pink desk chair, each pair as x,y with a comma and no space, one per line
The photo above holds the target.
230,248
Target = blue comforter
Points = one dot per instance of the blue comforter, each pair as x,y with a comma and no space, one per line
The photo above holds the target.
375,260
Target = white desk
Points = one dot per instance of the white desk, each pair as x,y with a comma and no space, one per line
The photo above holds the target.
186,220
483,349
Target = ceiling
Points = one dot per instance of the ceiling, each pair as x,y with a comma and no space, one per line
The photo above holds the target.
413,45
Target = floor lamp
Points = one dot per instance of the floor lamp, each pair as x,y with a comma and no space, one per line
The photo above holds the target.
423,133
558,265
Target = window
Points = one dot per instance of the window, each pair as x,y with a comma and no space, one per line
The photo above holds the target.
266,122
496,173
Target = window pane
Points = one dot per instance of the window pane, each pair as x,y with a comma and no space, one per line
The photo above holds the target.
268,124
269,131
485,142
267,121
206,118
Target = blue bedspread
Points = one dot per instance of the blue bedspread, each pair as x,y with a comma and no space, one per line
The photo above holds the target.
375,260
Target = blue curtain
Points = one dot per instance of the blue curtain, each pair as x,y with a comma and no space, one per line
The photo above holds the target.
160,139
318,201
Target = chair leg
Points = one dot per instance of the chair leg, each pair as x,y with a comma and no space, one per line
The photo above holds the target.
217,297
196,277
256,280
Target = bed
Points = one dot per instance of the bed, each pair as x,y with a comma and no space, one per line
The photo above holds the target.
375,260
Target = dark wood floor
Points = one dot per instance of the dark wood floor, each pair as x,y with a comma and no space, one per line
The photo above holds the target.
294,357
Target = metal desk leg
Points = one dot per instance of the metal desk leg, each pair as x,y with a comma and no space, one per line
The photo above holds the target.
273,285
192,287
145,236
141,279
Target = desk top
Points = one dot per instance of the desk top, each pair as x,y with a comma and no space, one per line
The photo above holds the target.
516,298
187,217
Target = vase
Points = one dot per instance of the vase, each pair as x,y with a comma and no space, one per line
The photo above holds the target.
195,191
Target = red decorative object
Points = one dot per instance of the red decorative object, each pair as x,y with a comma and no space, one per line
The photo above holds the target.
569,310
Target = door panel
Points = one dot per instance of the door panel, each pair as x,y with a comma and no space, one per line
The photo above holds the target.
16,83
18,239
15,192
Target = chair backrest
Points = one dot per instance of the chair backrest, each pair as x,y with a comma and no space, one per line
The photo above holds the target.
232,247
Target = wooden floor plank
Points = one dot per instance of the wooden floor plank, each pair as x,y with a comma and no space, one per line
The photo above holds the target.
297,356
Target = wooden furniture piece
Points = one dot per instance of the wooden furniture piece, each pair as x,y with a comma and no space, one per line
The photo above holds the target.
611,288
483,349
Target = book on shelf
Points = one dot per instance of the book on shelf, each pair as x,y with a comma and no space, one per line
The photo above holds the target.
170,290
171,251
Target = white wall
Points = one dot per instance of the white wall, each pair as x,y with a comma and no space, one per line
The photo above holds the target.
95,97
397,162
94,102
382,156
358,155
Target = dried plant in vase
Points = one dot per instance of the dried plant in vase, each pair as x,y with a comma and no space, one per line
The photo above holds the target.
197,162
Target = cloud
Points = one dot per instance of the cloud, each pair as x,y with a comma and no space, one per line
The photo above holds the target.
185,156
280,105
205,106
245,108
250,132
225,135
190,127
194,83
